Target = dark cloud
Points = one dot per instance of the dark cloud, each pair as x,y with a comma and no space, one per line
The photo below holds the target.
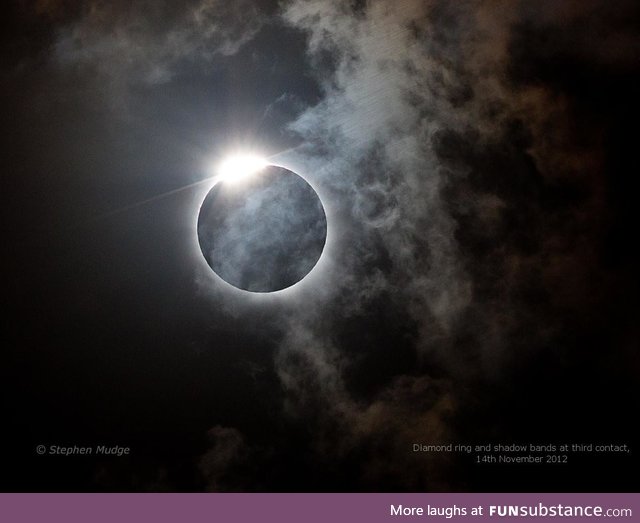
466,201
223,459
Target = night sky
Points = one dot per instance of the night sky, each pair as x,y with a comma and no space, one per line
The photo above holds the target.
478,165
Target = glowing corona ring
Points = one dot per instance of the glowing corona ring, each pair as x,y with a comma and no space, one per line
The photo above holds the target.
261,228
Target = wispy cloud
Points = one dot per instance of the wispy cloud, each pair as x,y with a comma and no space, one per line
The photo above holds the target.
147,42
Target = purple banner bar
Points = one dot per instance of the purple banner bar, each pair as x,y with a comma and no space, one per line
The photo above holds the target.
315,508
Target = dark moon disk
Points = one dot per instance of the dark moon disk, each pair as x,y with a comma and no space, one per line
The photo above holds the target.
263,233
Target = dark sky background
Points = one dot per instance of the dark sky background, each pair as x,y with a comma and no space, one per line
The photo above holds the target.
477,161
